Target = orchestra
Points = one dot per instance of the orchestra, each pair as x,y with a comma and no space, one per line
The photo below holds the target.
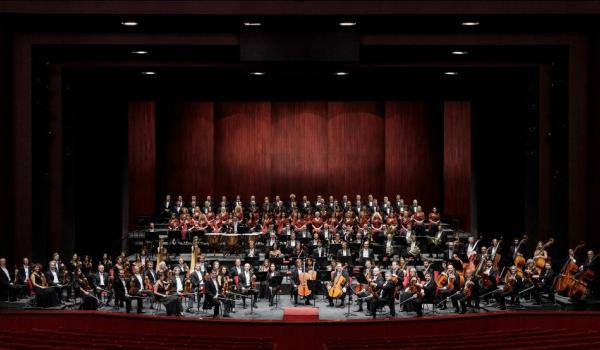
387,255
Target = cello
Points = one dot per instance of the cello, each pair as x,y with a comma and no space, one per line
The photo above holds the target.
566,279
336,289
303,289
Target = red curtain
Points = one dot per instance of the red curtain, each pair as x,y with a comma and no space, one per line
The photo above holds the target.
141,160
299,148
243,145
268,148
457,162
356,148
186,150
413,163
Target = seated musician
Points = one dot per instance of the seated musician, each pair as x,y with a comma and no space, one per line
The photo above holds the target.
319,251
272,239
513,283
8,290
545,284
246,285
429,288
84,290
412,297
488,281
52,277
365,252
46,296
327,232
414,250
275,252
470,292
451,287
295,280
397,271
99,281
339,271
226,285
251,252
385,291
161,294
344,251
236,269
362,291
292,243
271,289
299,252
122,293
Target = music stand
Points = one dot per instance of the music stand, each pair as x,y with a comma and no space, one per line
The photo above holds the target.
322,261
275,282
333,248
252,260
174,235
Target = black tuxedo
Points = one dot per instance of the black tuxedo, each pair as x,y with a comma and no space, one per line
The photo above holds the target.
196,280
6,289
121,294
151,276
211,292
95,280
234,271
22,276
387,292
316,253
362,257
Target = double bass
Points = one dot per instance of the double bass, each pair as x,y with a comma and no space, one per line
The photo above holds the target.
540,262
566,279
518,258
582,279
496,257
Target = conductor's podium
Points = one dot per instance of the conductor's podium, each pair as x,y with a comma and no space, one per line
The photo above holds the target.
301,314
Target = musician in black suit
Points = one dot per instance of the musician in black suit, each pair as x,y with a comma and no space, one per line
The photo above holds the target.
122,293
386,291
212,293
452,286
52,276
197,279
245,279
150,273
429,288
99,281
319,251
545,284
166,206
516,284
7,289
295,279
24,272
489,280
339,271
365,253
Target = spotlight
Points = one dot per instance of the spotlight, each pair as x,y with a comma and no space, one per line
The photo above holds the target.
341,73
470,23
347,24
257,73
459,52
252,24
139,52
450,73
129,23
149,73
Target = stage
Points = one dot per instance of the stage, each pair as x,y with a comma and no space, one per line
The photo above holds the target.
506,329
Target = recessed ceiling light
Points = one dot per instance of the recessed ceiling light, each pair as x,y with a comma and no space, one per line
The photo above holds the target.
252,24
139,52
470,23
257,73
347,24
149,73
129,23
341,73
450,73
459,52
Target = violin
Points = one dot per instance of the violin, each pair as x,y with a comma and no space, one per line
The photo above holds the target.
442,280
44,281
336,289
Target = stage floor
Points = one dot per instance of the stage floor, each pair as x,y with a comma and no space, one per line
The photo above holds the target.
265,312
